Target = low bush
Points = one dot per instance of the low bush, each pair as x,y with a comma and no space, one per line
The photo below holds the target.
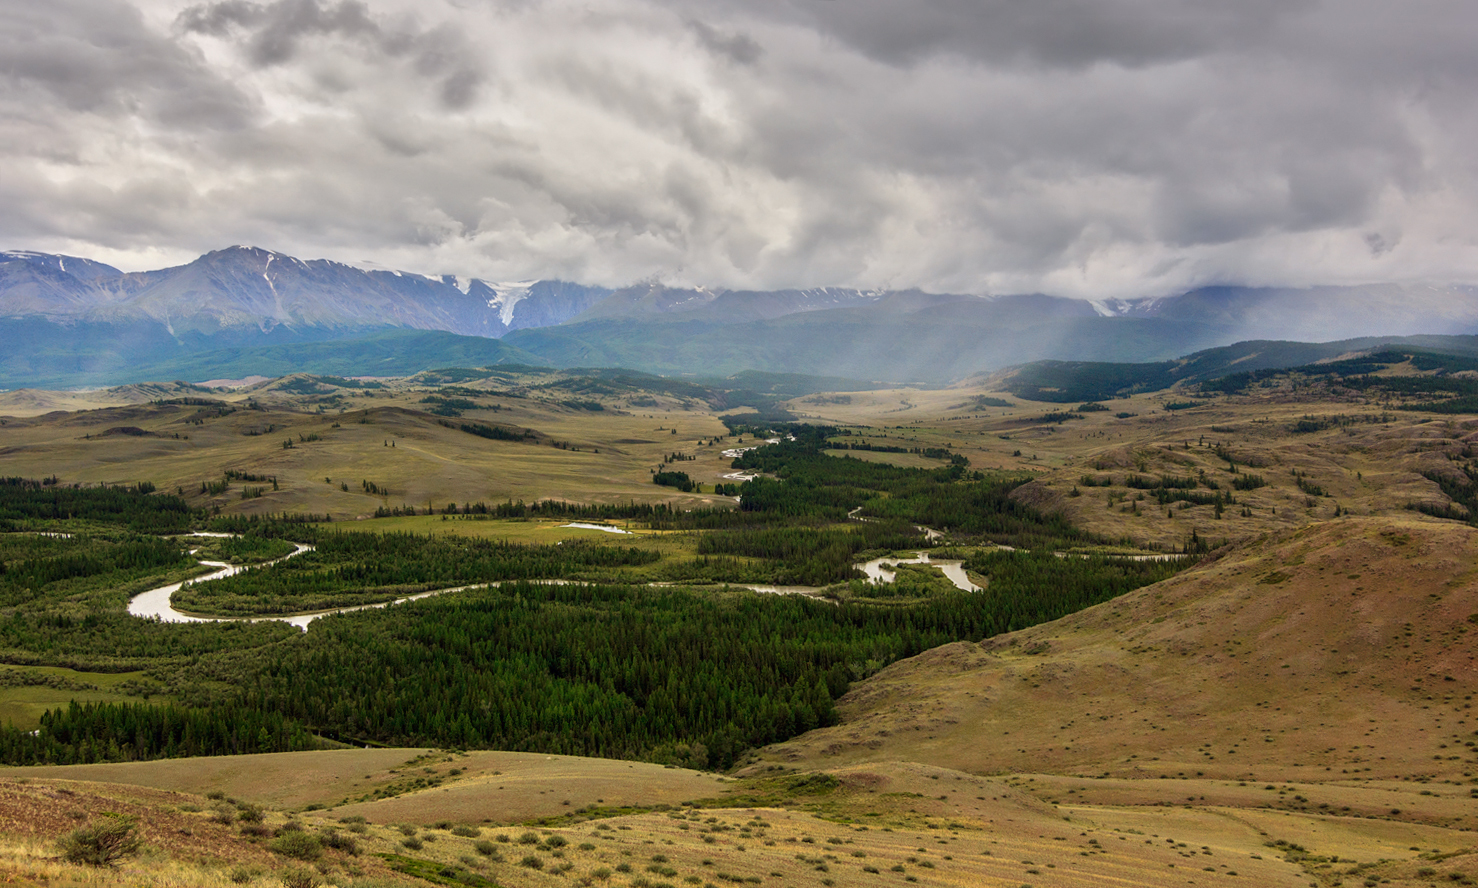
102,843
339,842
298,845
298,878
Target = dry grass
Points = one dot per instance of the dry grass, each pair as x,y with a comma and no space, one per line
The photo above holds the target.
279,780
472,786
182,844
1367,469
1131,744
428,465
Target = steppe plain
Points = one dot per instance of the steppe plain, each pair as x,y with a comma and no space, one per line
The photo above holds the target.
1294,709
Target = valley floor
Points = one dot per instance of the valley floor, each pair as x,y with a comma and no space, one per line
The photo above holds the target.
1294,710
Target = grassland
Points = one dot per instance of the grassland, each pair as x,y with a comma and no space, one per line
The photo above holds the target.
1294,710
386,437
863,825
26,692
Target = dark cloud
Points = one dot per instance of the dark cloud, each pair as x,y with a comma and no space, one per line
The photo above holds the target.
736,46
1074,33
275,32
99,57
1088,147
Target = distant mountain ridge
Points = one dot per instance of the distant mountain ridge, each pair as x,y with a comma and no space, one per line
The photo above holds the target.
246,287
69,321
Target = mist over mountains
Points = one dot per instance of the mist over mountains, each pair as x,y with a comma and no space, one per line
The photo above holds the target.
70,321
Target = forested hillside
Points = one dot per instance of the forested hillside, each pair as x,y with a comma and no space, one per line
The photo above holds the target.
568,648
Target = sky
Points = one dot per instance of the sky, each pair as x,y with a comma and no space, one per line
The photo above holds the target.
1091,148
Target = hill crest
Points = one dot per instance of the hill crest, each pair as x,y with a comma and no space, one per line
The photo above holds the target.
1345,642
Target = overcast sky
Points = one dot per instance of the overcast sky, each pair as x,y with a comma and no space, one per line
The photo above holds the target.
1079,147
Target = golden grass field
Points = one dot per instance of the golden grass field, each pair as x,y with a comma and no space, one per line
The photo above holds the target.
1309,684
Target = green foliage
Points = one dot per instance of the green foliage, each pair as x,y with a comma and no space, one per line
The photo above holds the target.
436,873
662,673
1139,482
1463,491
1066,382
84,733
23,503
622,671
356,568
496,433
103,842
813,486
807,555
297,845
680,480
253,548
1442,391
1027,588
909,581
1248,482
59,565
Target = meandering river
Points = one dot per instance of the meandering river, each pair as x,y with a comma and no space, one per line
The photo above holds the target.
155,603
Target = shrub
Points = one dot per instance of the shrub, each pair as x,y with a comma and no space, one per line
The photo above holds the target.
243,874
532,861
485,847
102,843
249,813
297,844
298,878
529,838
339,842
413,843
468,832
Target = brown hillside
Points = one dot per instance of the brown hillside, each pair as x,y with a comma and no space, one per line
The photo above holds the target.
1342,651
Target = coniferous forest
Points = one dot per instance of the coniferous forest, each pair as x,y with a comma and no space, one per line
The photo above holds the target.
600,663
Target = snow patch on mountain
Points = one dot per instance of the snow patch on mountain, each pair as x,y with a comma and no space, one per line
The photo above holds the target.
506,296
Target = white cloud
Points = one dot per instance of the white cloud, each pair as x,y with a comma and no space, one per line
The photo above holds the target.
1084,147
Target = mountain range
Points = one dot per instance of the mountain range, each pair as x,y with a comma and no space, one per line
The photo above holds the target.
69,321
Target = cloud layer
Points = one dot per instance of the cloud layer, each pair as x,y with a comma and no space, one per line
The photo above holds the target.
1082,147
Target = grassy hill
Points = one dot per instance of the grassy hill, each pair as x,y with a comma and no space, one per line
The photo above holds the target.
1342,653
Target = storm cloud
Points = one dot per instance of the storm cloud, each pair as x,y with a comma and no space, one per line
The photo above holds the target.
1093,148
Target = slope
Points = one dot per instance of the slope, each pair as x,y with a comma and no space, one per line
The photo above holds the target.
1344,651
